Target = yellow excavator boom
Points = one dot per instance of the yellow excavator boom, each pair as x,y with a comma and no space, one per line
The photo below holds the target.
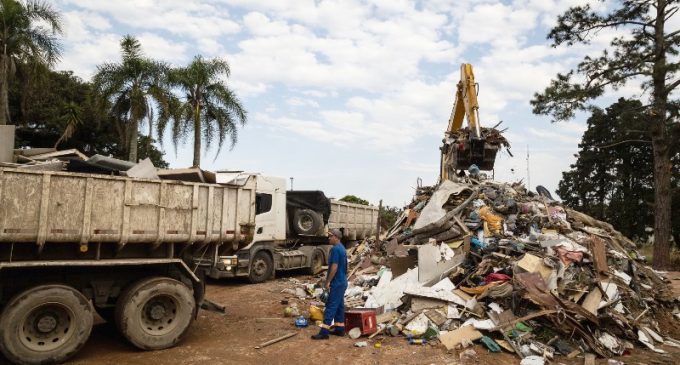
465,103
464,147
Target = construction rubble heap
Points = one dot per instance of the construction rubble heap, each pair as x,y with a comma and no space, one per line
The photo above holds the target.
492,263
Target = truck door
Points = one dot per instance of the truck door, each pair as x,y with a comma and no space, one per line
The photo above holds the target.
270,205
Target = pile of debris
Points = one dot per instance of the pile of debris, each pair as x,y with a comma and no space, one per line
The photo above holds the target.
487,261
72,160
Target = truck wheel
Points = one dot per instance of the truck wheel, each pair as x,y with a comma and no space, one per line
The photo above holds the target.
155,313
307,222
317,262
45,324
261,267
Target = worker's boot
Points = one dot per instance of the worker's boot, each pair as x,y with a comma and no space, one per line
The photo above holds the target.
338,331
322,335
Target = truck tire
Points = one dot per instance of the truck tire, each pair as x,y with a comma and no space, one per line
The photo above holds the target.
307,222
317,262
261,267
155,313
45,324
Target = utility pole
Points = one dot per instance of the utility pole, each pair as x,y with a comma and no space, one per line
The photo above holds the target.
291,183
528,173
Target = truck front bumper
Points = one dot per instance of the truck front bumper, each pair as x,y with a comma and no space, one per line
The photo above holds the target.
227,267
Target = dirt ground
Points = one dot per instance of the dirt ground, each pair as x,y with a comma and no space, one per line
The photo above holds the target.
255,314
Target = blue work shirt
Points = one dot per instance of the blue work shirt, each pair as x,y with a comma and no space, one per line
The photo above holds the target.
338,256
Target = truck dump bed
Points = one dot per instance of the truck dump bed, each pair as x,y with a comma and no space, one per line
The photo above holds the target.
52,207
358,221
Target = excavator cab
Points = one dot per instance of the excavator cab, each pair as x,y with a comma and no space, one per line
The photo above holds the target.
471,145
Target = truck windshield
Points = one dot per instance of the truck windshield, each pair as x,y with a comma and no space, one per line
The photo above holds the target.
263,203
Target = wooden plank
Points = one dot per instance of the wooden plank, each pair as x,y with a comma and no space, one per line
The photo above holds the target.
278,339
599,254
454,338
592,301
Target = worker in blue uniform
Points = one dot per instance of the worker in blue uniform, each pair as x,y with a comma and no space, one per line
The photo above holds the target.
336,284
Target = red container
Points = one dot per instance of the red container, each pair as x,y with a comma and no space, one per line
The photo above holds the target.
362,318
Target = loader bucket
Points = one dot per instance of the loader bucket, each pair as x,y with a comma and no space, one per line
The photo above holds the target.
474,152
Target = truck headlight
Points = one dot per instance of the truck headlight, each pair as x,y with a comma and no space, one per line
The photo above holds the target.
229,261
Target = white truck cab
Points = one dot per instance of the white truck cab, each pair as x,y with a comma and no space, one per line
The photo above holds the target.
290,229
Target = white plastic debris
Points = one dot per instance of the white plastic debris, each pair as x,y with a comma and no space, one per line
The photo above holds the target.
419,324
611,293
495,308
385,279
452,312
390,294
361,344
444,285
486,324
353,291
533,360
623,276
647,341
655,336
612,343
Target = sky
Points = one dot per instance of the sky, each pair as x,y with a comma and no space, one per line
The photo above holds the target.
349,96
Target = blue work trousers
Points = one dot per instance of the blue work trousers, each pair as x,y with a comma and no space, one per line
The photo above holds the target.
335,305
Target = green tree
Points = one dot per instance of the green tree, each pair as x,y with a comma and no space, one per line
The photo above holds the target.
354,199
71,117
612,178
208,107
28,38
136,87
47,109
147,149
646,50
388,216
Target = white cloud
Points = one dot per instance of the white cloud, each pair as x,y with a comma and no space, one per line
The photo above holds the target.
195,19
161,48
300,102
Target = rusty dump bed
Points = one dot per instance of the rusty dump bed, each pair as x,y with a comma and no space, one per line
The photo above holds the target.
39,207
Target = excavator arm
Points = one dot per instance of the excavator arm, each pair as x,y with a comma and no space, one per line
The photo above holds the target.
464,147
465,103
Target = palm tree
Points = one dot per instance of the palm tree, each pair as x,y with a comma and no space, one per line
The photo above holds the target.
208,106
23,41
136,87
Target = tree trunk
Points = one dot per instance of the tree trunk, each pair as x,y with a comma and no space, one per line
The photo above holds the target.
4,90
662,197
197,139
662,162
134,137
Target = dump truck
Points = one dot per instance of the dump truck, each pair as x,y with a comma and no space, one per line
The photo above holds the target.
290,230
134,250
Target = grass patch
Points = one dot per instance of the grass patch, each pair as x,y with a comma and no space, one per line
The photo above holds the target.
648,252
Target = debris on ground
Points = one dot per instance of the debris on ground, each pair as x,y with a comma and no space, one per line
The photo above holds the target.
486,262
